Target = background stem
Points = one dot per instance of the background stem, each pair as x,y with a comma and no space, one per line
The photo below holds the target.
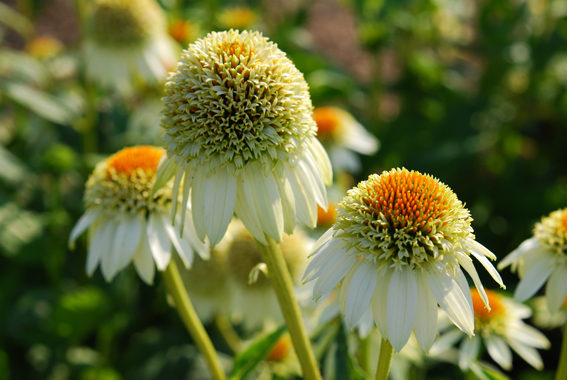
384,360
561,373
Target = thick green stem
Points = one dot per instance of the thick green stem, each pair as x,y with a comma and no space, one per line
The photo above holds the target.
191,320
562,368
384,360
283,285
364,352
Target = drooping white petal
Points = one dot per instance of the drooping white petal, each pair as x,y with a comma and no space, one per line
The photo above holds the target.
321,241
488,266
109,259
499,351
450,297
305,205
464,285
268,203
359,140
181,245
334,247
535,277
99,245
220,198
127,238
188,179
143,261
529,335
469,350
166,169
556,289
179,174
159,241
191,237
198,196
288,204
322,159
446,341
83,223
529,354
379,302
308,173
425,326
466,262
360,290
515,255
401,307
332,272
246,210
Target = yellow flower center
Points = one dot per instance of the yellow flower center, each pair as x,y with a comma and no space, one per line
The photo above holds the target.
130,160
480,310
327,119
552,231
42,47
280,349
564,220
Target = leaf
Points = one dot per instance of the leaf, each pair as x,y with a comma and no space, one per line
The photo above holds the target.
345,367
249,359
13,169
18,227
485,372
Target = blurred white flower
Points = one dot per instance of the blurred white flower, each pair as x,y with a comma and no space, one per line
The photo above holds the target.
399,243
125,224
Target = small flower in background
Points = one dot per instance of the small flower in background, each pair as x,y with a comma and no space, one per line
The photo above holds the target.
183,31
45,47
500,329
238,127
249,285
399,243
125,224
541,258
237,18
340,133
545,319
125,41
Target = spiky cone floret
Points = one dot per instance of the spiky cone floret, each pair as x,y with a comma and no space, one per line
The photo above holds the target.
499,330
399,243
126,42
125,224
542,258
238,129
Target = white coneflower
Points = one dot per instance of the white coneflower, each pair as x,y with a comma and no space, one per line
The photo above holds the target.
399,243
500,329
238,127
541,258
340,134
125,224
125,41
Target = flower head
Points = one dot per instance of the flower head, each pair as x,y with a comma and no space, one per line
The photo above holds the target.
399,243
238,126
541,258
127,224
499,329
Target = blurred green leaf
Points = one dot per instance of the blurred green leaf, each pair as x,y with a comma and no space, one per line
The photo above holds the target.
16,65
485,372
247,360
345,368
103,373
18,227
4,366
13,169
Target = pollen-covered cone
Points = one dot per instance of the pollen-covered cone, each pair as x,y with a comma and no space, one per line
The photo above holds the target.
254,302
399,243
125,224
238,129
127,41
499,329
341,134
543,258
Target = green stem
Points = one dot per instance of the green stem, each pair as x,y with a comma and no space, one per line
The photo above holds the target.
364,351
191,320
384,360
562,368
283,285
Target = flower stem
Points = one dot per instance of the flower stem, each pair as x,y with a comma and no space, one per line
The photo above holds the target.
384,360
283,285
191,320
562,368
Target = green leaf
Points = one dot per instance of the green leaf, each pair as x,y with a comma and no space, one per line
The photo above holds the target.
345,367
103,373
18,227
485,372
247,360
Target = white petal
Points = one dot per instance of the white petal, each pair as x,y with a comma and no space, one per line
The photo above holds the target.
446,341
488,266
360,291
469,350
190,235
198,196
535,277
425,326
401,307
322,160
220,198
529,354
110,259
188,179
166,170
528,335
99,245
126,239
181,245
246,210
464,285
83,223
450,297
359,140
466,262
312,176
556,288
143,261
176,185
332,248
268,203
332,272
288,204
499,351
515,255
159,241
379,302
305,205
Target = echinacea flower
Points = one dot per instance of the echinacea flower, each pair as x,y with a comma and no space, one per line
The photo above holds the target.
542,258
127,40
399,243
238,128
125,224
340,134
500,329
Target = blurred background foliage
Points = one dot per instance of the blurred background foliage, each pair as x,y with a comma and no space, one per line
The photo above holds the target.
472,92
